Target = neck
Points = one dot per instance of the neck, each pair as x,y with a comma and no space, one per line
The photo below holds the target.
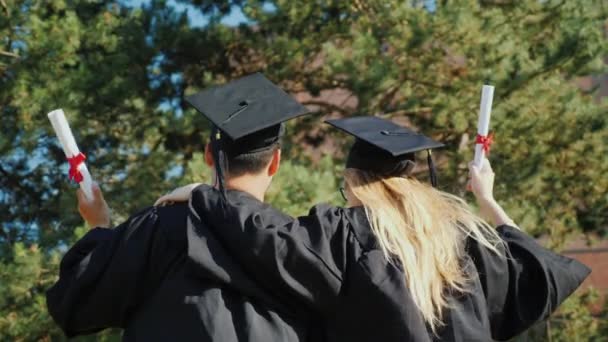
252,184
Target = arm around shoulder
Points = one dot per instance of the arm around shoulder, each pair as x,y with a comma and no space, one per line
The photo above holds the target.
303,257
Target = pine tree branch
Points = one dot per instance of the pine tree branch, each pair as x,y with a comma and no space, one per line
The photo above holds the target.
3,3
15,182
327,106
4,234
428,84
9,54
389,95
404,112
509,91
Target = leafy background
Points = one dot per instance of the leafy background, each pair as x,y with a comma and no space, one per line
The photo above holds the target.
120,69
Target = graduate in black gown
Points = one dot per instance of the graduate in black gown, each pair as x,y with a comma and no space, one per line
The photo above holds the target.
405,261
164,276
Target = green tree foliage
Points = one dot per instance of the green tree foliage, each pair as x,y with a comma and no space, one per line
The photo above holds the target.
25,277
120,73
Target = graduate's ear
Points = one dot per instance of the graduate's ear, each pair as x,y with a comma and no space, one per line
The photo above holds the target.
275,162
208,155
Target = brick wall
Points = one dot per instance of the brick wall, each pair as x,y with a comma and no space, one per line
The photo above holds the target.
596,258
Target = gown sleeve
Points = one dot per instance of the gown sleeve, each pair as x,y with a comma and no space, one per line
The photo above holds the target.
526,284
302,258
109,272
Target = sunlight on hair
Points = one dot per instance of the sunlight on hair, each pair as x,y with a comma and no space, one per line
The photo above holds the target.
424,230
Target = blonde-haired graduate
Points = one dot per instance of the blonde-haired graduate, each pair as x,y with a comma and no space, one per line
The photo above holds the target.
403,261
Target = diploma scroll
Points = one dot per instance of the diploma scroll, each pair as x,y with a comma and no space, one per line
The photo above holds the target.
78,169
485,109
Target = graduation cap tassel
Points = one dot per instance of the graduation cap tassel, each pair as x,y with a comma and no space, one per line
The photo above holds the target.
220,160
432,171
221,167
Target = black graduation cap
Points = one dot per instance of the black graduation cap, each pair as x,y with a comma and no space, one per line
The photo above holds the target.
385,147
247,116
246,105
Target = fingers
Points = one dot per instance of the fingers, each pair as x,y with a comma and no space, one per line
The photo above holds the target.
96,189
80,196
486,165
160,201
97,194
82,200
168,199
180,194
473,169
473,176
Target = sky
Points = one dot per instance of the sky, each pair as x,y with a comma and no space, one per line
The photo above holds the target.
236,16
197,19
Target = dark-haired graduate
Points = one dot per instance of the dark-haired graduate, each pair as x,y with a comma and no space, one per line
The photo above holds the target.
405,261
163,275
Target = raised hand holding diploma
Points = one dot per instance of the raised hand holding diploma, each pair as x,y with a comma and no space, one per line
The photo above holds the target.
78,169
483,140
95,212
482,185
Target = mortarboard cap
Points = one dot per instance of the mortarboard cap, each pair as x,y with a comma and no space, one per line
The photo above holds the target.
247,116
247,105
384,147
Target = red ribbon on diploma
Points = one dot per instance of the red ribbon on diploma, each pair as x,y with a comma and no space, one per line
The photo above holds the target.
486,141
74,162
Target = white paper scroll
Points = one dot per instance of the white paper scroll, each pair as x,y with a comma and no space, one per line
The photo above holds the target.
483,126
66,138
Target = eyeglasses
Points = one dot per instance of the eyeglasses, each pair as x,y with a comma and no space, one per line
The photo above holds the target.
343,193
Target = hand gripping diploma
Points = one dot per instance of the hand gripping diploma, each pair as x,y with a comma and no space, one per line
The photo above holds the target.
91,204
78,169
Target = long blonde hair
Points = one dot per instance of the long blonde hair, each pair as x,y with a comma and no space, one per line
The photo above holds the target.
423,229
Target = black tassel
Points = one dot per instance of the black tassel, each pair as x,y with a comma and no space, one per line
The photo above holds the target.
220,160
432,171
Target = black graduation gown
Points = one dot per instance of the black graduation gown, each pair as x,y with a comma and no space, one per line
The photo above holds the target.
329,260
161,278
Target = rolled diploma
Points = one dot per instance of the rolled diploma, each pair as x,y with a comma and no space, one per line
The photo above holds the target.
66,138
485,109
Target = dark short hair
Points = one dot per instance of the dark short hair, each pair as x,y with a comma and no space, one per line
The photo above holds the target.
250,153
253,162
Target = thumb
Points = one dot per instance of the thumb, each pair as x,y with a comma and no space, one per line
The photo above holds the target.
473,169
97,194
487,166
